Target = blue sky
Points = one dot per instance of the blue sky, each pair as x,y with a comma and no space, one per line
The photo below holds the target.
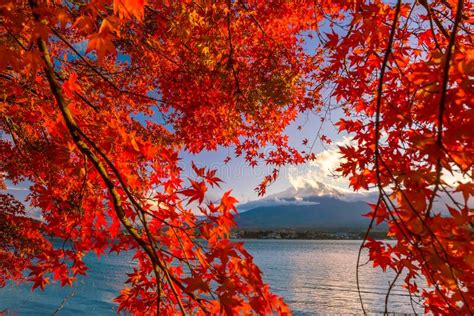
243,179
237,175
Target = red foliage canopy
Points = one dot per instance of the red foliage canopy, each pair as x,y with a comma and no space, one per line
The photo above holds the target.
99,98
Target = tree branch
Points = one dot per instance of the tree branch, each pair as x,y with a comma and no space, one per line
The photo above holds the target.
442,102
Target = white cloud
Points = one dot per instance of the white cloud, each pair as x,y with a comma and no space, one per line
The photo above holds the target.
455,178
17,189
273,201
321,170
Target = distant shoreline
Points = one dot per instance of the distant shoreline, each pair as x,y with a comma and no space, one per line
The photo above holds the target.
306,239
289,234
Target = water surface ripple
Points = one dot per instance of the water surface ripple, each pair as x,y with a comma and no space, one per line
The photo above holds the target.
316,277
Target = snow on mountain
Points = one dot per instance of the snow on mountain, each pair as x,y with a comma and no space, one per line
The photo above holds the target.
307,194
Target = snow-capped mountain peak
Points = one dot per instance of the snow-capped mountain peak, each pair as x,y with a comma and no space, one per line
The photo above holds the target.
306,194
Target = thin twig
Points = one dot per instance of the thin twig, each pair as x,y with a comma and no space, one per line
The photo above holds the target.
392,284
63,302
442,102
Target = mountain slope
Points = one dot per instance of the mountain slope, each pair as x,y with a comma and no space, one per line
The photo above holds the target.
316,207
325,213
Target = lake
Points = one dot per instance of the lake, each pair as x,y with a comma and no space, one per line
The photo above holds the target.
316,277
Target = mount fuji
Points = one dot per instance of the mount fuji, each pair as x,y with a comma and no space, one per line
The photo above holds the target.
315,206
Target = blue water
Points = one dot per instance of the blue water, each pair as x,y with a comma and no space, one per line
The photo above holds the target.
314,276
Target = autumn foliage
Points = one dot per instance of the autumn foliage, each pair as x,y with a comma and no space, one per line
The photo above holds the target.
99,98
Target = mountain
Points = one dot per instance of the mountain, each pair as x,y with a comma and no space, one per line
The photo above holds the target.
327,213
317,207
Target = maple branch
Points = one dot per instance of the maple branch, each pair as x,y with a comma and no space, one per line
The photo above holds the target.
11,128
461,26
430,231
137,206
410,239
76,135
256,22
456,203
16,39
231,50
377,117
377,133
63,302
18,131
359,254
432,17
411,304
442,101
387,296
80,96
140,211
380,92
94,69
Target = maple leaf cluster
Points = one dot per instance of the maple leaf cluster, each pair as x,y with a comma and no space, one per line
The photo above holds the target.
99,98
403,76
